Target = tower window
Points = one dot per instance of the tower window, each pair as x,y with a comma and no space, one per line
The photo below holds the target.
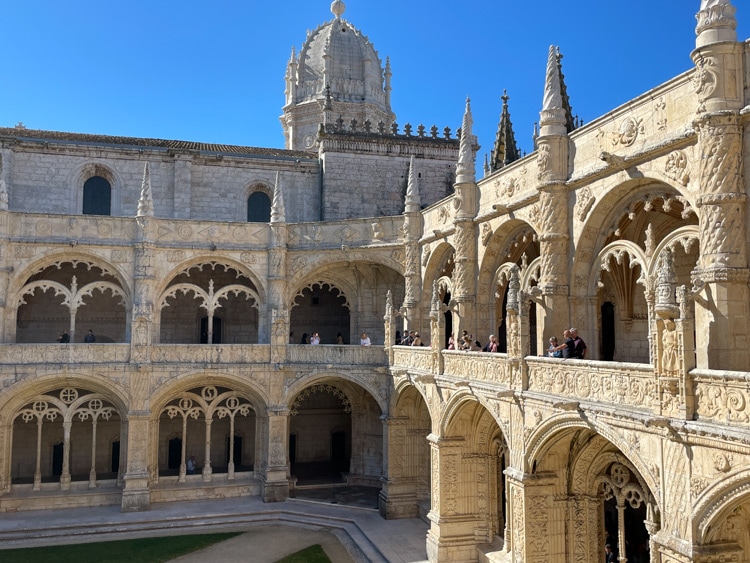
97,196
258,208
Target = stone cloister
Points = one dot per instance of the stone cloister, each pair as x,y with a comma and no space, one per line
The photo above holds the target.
632,228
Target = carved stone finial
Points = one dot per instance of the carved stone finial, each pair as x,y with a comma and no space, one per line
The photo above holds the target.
716,22
666,284
278,213
465,170
146,201
514,287
413,202
338,8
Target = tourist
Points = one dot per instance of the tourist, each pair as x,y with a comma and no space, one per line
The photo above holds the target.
579,346
304,338
339,339
451,343
315,339
64,337
417,340
364,340
610,555
408,338
554,351
492,344
90,337
191,465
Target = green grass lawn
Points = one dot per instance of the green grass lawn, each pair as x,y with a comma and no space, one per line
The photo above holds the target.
145,550
312,554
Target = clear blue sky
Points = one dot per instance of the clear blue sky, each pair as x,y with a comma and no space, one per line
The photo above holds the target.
214,72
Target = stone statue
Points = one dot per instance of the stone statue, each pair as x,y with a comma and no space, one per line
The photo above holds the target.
669,355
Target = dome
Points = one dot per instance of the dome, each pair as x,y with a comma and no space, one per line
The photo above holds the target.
338,55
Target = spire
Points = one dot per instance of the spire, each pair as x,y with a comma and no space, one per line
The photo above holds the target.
505,150
278,213
3,188
146,202
388,74
569,122
553,116
716,22
413,201
465,171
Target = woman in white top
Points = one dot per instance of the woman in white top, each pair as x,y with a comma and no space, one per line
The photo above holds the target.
365,340
314,339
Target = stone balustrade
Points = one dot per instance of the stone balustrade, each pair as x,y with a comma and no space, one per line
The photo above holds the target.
211,354
336,355
63,353
722,396
632,385
413,359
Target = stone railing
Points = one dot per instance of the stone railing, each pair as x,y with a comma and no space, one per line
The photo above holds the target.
480,366
418,359
632,385
336,355
722,396
63,353
211,354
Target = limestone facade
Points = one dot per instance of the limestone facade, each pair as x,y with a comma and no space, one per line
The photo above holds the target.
632,228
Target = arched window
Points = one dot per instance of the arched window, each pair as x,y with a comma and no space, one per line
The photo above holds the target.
258,208
97,196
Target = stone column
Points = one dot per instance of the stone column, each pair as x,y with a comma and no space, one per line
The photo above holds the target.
554,223
274,481
277,270
136,495
466,202
412,230
554,245
457,525
517,329
142,317
398,496
723,314
536,520
135,440
465,275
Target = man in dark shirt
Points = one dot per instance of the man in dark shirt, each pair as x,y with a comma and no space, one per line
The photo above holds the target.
579,346
610,554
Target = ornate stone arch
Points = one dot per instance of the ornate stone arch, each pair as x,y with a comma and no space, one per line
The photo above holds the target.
540,438
58,259
211,261
296,386
618,200
617,251
24,391
684,236
249,387
719,500
434,267
88,170
302,268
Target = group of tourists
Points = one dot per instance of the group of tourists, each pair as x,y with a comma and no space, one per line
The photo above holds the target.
314,339
573,347
410,338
